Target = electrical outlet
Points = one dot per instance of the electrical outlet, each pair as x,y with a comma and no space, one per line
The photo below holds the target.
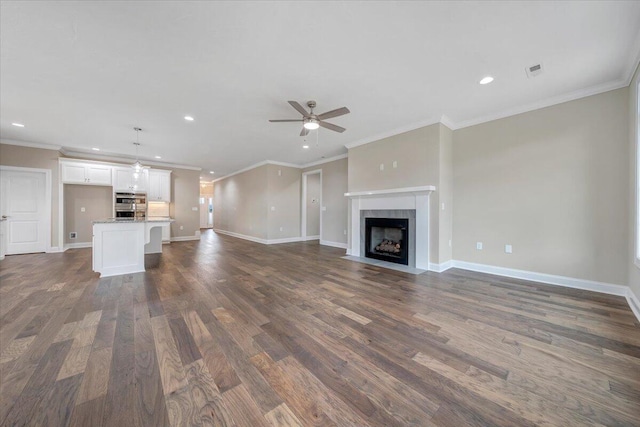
395,164
345,232
449,242
281,228
508,249
182,227
324,208
273,208
73,235
279,172
442,205
194,208
82,209
479,246
381,166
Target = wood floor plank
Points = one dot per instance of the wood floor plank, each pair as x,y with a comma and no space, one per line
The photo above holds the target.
226,332
222,372
282,416
96,375
171,368
150,408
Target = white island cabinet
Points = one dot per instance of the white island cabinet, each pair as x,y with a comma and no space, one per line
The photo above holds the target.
119,246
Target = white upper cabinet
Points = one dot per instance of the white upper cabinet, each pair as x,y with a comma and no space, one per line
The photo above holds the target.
85,173
159,186
125,180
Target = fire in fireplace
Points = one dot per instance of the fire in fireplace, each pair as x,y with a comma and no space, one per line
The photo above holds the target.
387,239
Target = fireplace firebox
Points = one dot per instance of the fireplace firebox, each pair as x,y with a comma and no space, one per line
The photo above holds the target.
387,239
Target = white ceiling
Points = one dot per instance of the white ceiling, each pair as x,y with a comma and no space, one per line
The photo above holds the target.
83,74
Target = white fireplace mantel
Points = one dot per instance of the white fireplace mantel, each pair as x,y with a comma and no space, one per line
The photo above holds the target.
396,198
393,192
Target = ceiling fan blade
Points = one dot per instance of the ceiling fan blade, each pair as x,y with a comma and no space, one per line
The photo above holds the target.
285,120
331,126
334,113
304,131
299,108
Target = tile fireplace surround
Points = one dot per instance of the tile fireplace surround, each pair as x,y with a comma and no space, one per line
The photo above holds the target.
410,198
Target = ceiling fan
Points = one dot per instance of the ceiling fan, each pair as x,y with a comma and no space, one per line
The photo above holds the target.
312,121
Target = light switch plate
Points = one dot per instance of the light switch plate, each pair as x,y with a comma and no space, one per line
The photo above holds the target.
479,246
83,209
381,166
508,249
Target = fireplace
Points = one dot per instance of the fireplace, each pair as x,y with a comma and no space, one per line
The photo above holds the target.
387,239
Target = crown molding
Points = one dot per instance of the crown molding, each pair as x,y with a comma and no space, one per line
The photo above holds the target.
257,165
322,161
548,102
274,162
446,121
634,59
122,159
31,144
393,132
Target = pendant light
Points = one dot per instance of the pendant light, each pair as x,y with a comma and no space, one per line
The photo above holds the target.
137,166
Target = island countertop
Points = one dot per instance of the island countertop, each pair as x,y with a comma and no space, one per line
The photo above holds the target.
129,221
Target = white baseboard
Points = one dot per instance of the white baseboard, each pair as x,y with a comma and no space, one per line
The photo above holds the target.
634,303
333,244
55,249
77,245
257,239
439,268
184,238
241,236
284,240
550,279
304,239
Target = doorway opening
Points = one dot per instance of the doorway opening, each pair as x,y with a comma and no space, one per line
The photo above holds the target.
311,221
206,204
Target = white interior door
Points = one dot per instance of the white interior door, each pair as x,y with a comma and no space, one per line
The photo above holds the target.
203,212
22,202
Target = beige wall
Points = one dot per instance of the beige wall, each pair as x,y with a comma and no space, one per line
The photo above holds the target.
313,204
97,202
334,185
259,201
240,203
633,269
445,195
185,192
417,154
553,183
26,157
283,201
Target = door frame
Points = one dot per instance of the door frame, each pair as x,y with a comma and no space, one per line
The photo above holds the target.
47,198
303,215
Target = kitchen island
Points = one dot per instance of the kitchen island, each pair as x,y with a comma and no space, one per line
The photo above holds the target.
119,246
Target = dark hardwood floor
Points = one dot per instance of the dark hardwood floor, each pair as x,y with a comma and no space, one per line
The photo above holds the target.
233,333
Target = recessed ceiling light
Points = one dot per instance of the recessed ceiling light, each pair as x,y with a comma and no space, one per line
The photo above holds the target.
486,80
305,146
158,157
95,149
211,172
188,118
20,125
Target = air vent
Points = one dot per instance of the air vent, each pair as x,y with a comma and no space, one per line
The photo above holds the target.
534,70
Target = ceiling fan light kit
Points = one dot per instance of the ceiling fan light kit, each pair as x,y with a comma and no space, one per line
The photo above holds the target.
312,121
